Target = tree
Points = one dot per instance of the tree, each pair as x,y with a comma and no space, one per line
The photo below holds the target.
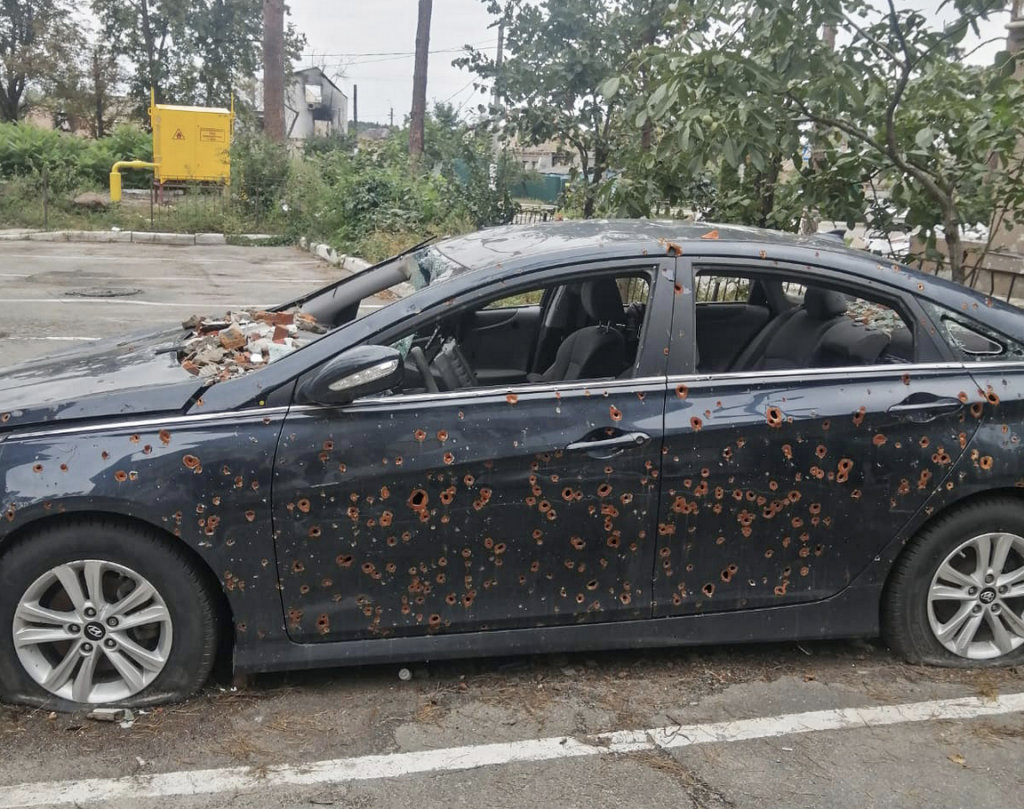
38,38
562,74
893,103
419,80
188,51
84,95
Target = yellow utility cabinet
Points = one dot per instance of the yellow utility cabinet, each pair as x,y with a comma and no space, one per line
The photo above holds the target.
191,144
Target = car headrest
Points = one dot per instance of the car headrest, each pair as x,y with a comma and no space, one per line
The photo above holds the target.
853,343
602,300
824,304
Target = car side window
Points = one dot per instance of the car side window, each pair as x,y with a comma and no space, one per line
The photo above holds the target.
782,323
970,341
590,328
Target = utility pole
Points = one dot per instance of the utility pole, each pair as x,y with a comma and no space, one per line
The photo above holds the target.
273,69
355,108
419,80
392,117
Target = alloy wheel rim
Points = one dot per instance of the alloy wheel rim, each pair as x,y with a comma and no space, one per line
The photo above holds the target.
92,631
976,597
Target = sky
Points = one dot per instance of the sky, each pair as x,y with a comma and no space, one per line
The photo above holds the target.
371,43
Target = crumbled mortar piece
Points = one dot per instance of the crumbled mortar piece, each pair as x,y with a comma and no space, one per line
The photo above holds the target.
221,348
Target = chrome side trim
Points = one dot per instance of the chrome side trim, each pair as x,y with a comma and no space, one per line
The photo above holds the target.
599,386
230,415
992,365
844,371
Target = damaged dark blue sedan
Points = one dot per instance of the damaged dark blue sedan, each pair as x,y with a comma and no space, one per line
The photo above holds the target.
559,437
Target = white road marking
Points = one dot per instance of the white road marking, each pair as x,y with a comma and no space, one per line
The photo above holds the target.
226,277
107,256
204,306
394,765
59,339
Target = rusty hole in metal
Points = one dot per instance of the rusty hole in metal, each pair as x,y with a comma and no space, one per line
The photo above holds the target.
986,462
190,461
682,391
120,475
419,435
977,409
774,417
442,435
728,573
615,413
787,452
858,417
696,424
992,396
418,499
165,437
297,566
511,398
708,589
879,439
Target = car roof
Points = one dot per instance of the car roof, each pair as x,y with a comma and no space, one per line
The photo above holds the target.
491,246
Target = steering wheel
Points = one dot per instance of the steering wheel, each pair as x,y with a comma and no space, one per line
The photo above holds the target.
423,367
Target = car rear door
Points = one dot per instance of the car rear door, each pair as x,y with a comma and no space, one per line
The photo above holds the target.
484,508
780,486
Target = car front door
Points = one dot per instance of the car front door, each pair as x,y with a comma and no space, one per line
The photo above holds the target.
781,485
484,508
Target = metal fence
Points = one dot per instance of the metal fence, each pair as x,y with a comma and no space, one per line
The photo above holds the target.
38,204
529,216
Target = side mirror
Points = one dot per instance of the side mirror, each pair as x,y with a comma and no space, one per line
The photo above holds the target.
357,372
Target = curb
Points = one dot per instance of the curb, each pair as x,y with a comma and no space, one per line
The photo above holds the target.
325,252
131,236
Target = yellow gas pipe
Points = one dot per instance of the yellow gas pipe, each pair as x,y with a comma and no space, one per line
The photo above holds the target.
115,175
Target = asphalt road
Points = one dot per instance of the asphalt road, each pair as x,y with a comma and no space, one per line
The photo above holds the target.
52,292
815,725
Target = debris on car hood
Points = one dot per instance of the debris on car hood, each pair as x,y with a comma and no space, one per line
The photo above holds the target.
223,348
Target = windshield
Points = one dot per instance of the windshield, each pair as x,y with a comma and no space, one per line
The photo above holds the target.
226,346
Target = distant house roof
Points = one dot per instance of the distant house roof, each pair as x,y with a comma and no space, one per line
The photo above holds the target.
321,75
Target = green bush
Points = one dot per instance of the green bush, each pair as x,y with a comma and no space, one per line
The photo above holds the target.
71,163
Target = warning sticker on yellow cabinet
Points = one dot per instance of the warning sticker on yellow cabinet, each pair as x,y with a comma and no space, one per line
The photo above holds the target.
212,135
179,135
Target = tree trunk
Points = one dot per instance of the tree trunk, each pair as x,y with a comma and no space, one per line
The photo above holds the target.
273,70
419,81
956,254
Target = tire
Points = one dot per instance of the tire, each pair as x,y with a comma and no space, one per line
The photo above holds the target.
912,607
169,637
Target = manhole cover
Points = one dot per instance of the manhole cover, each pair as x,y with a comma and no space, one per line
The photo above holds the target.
104,292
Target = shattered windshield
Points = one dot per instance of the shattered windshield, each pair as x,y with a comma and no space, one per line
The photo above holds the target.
226,346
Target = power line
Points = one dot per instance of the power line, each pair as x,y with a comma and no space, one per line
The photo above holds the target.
401,53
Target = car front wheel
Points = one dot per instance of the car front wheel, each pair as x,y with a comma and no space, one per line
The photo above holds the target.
956,597
97,613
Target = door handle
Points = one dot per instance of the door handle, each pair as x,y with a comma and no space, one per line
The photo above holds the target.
921,412
611,445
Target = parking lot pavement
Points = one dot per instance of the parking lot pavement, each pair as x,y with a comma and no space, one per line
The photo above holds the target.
847,725
57,294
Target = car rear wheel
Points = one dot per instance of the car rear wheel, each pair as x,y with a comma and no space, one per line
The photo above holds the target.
97,613
956,597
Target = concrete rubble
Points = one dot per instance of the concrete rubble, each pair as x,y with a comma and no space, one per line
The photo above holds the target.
228,347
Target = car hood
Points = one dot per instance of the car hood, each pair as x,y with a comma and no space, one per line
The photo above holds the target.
137,373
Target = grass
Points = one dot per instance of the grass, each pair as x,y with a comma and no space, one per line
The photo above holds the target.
189,213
